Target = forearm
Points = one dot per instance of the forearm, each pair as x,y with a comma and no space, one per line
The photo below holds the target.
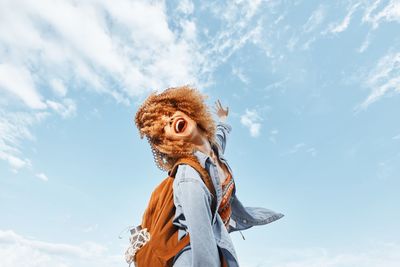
222,132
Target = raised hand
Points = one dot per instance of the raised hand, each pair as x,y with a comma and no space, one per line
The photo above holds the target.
220,111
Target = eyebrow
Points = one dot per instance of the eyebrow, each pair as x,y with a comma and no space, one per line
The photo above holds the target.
169,121
172,118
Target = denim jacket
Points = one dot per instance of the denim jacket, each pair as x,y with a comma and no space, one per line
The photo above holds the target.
193,214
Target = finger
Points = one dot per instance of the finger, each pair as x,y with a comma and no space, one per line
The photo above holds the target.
221,106
219,103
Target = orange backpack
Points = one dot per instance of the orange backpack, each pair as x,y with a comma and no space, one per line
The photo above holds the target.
163,245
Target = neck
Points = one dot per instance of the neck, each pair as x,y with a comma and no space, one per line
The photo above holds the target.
202,144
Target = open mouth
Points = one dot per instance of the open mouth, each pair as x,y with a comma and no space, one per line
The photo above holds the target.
180,125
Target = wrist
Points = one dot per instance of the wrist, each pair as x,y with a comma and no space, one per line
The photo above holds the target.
222,118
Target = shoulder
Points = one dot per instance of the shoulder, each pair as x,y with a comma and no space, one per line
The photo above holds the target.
189,179
185,172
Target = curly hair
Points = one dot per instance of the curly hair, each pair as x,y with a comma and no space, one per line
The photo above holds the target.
149,123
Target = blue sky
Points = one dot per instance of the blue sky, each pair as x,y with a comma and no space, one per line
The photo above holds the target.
313,92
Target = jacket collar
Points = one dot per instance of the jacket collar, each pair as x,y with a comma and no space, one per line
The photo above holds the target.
202,157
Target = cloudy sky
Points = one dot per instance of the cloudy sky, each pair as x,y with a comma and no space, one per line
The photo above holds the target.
313,92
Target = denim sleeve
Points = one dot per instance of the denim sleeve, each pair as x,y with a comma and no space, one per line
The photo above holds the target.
195,202
223,129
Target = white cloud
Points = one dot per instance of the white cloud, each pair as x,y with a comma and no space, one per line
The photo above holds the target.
102,41
375,12
66,109
189,30
15,127
383,79
365,44
58,87
236,12
372,15
315,19
396,137
296,148
342,26
17,250
241,25
42,176
18,81
272,135
238,72
186,6
120,49
301,147
251,120
390,12
292,43
308,43
14,161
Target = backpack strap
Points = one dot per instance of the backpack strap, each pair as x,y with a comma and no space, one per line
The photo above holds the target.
203,174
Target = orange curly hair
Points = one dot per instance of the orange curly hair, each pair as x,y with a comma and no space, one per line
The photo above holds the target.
149,123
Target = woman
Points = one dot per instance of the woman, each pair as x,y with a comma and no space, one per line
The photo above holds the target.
177,123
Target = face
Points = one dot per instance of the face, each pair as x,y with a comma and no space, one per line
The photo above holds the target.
179,126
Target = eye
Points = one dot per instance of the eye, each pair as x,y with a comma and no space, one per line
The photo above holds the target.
180,125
